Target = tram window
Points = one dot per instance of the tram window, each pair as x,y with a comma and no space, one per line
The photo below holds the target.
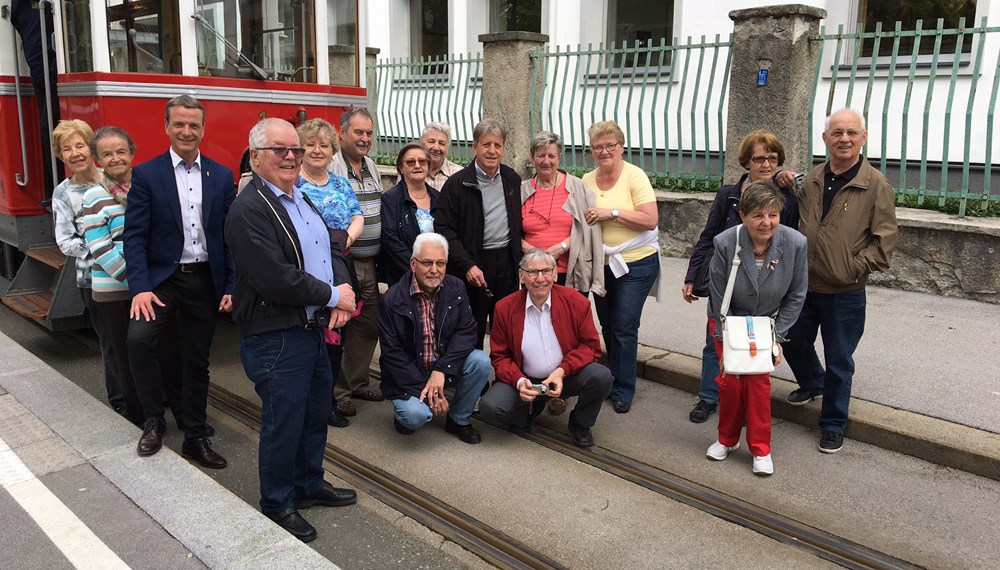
342,31
143,36
276,35
77,38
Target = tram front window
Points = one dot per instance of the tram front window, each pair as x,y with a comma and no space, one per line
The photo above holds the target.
275,35
143,36
77,40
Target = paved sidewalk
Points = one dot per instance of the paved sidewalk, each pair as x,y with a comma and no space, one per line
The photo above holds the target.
73,492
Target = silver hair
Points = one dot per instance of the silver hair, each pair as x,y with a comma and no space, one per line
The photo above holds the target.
489,127
345,118
429,238
544,139
258,133
861,118
439,127
535,254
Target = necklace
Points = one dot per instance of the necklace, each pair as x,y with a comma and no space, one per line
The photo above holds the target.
609,179
312,180
764,252
540,186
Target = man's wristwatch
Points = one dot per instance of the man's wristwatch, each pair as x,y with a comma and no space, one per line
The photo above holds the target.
614,215
563,245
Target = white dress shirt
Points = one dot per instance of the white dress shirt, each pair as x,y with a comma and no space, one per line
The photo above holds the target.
189,193
539,345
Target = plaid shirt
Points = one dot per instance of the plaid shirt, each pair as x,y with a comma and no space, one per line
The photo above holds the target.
427,304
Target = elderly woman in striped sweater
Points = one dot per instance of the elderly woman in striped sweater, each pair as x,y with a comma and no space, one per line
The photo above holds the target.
102,222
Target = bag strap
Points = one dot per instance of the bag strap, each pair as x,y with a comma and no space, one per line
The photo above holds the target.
727,297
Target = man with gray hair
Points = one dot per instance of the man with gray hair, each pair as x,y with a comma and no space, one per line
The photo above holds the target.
361,336
848,213
479,213
437,138
427,334
544,345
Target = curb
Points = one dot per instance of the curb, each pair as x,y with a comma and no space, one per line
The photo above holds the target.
931,439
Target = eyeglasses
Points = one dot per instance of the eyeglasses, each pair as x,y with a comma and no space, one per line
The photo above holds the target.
415,161
547,272
851,133
604,147
761,159
428,263
282,151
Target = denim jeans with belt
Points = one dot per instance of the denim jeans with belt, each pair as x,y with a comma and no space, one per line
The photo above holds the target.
619,311
841,319
291,372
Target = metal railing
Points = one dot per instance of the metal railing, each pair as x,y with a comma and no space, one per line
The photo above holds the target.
924,111
668,99
407,94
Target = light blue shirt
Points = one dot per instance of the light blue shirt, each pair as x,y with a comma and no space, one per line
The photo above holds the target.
314,240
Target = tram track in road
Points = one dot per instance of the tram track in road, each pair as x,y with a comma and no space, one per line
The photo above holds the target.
489,543
503,551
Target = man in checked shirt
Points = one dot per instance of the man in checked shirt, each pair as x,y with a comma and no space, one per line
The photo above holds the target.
428,337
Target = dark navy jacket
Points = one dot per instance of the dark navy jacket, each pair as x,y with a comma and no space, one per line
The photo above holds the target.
401,336
399,230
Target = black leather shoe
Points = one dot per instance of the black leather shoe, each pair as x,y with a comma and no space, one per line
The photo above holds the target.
152,436
400,428
466,433
292,521
337,420
621,406
701,411
200,449
581,435
328,496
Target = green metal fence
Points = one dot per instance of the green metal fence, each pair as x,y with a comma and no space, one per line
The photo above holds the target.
405,95
930,117
668,99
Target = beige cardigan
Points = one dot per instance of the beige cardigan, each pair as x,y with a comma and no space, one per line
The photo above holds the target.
585,267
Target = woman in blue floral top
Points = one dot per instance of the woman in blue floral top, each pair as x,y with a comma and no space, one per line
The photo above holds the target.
331,193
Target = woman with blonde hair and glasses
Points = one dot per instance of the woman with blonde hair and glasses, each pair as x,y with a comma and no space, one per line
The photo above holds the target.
626,210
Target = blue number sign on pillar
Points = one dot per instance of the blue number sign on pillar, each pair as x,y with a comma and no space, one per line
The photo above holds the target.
761,77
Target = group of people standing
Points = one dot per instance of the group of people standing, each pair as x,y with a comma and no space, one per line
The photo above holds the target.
463,252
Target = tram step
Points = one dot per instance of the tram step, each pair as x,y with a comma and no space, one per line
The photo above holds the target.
31,305
50,256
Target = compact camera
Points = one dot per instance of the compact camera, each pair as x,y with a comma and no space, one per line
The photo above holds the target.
543,389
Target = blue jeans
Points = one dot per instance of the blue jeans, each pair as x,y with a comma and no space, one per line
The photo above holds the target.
291,372
619,311
709,390
841,319
413,413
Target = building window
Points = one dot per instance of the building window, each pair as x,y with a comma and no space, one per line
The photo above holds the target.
275,35
429,28
640,23
143,38
888,12
516,16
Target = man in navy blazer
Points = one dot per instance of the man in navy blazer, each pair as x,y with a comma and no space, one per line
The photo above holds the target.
178,268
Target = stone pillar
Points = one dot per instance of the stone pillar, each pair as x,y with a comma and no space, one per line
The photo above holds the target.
343,64
370,55
775,39
507,78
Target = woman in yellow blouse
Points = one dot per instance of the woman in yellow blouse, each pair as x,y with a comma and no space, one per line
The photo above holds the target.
626,210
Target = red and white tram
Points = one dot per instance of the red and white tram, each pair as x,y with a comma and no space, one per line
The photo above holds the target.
119,61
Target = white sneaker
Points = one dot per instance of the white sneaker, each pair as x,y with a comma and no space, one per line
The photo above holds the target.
718,452
763,465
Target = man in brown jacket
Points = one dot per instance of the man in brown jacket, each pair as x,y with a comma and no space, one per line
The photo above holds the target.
847,212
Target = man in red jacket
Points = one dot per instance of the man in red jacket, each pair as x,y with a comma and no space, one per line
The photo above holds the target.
544,340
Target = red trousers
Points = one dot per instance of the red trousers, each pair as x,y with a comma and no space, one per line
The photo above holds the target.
743,396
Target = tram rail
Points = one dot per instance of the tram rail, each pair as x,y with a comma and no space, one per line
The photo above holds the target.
503,551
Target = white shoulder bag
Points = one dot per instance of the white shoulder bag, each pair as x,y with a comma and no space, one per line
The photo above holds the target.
748,343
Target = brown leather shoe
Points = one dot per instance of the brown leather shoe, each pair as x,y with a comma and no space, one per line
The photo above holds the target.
346,408
369,396
152,436
557,406
200,449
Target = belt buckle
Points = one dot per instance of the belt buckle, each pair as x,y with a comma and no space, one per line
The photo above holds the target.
185,269
311,325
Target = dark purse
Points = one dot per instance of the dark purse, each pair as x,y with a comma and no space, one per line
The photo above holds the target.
701,278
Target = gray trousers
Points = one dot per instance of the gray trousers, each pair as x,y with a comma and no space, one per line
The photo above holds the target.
592,385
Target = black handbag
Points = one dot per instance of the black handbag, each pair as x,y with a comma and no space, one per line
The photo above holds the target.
701,278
